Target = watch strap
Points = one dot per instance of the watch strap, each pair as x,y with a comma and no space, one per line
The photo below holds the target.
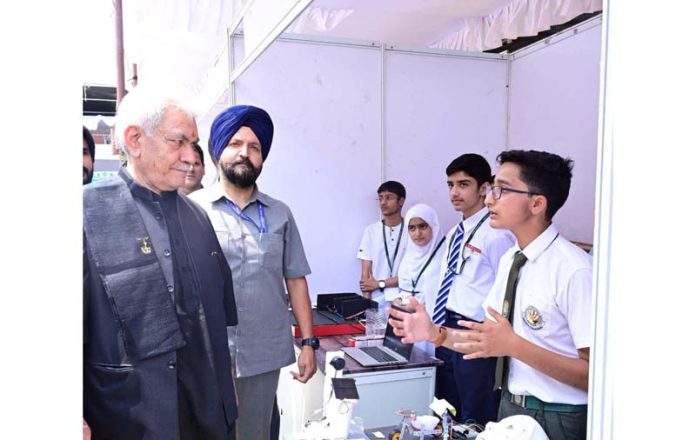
441,336
311,342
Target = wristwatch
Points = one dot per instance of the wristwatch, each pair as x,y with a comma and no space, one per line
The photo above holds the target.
382,284
312,342
441,336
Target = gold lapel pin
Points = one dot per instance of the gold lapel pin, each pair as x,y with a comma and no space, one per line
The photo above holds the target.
145,247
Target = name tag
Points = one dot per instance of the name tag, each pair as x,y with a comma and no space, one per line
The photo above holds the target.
473,248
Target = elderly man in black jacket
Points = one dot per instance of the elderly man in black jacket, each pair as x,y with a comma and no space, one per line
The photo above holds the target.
157,290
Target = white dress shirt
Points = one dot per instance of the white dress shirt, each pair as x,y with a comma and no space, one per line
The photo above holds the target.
482,254
372,249
553,309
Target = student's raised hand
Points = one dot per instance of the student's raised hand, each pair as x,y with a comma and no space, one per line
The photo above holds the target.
491,338
412,327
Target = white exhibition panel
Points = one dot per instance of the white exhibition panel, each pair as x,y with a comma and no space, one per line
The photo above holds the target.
325,159
327,118
437,108
325,102
554,106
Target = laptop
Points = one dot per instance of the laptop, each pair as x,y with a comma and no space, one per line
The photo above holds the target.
392,352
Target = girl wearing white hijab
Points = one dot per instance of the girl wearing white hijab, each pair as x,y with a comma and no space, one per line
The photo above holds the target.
419,271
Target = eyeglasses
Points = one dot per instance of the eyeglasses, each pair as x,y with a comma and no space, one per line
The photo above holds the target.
386,198
497,191
419,226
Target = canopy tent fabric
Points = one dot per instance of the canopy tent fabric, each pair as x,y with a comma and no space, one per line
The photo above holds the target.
471,26
179,40
518,19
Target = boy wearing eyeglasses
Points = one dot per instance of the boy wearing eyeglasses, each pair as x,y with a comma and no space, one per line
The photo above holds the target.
468,270
545,352
538,325
383,246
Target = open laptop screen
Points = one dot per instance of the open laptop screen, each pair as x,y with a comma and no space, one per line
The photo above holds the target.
393,342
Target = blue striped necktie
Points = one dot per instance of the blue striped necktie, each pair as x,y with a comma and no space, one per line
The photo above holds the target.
454,253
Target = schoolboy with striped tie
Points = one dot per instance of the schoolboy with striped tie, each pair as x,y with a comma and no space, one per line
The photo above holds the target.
467,274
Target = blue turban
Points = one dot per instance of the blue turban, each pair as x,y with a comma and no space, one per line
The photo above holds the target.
227,123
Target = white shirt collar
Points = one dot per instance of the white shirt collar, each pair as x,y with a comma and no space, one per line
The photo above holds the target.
471,222
539,244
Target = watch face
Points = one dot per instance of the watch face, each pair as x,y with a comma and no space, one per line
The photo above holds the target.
312,342
382,284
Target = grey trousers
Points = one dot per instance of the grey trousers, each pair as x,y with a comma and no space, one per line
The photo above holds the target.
557,425
256,396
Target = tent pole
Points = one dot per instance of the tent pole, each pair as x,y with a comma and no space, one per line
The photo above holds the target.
134,79
120,75
382,147
508,98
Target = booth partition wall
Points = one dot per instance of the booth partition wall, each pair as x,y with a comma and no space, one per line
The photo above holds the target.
351,114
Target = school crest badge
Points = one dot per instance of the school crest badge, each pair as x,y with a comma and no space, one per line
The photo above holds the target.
533,318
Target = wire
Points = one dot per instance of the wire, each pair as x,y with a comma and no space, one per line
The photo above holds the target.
347,408
309,419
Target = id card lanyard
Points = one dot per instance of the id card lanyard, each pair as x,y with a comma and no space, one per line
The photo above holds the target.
386,249
414,283
459,270
263,227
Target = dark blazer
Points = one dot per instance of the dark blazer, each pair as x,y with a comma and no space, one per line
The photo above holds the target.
127,398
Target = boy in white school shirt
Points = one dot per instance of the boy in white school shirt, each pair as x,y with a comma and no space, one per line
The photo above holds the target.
383,246
544,355
472,251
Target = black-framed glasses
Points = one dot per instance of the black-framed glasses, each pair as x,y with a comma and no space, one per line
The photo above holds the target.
497,191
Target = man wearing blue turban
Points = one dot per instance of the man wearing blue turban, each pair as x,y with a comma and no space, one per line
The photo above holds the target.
262,245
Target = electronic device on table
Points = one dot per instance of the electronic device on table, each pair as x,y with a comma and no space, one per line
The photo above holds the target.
392,352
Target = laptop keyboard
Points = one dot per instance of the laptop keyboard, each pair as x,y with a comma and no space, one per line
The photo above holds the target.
378,354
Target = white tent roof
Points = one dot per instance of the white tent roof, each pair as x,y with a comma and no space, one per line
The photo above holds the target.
472,26
182,39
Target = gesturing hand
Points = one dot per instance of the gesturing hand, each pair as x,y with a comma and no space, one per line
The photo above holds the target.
491,338
412,327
